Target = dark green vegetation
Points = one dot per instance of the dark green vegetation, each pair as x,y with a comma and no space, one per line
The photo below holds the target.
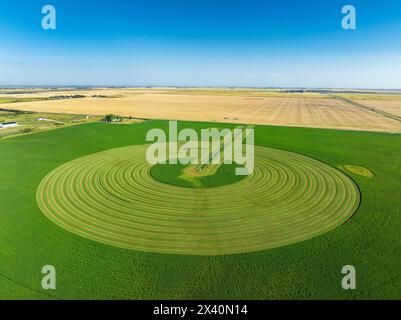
310,269
175,174
112,118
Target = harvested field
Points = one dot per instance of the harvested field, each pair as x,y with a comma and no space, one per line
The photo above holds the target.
310,110
389,106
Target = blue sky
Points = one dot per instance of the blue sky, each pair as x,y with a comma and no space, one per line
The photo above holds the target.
270,43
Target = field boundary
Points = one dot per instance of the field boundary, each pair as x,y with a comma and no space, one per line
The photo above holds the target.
359,105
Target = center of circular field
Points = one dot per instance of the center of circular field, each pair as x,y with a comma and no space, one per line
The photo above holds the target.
111,197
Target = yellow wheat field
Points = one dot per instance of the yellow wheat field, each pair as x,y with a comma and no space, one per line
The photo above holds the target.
389,106
248,107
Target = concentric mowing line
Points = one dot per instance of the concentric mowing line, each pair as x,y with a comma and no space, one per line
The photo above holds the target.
111,197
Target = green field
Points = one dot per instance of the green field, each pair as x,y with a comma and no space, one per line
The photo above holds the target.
34,167
28,121
177,175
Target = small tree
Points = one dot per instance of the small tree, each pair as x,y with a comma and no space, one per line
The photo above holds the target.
108,118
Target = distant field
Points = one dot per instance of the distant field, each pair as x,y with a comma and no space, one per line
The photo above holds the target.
18,100
373,96
389,106
220,105
44,93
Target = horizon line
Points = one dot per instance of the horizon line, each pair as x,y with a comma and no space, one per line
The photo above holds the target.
79,86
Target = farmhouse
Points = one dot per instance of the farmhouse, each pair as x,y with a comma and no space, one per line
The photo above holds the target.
4,125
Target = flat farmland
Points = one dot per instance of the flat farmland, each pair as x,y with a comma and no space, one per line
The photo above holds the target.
238,106
389,103
389,106
298,165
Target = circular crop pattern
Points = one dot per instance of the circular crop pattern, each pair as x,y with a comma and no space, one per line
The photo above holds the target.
111,197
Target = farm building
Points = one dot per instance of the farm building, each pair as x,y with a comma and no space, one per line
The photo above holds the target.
4,125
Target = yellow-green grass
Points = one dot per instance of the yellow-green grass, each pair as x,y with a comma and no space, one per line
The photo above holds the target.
358,170
111,197
372,96
17,100
28,121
